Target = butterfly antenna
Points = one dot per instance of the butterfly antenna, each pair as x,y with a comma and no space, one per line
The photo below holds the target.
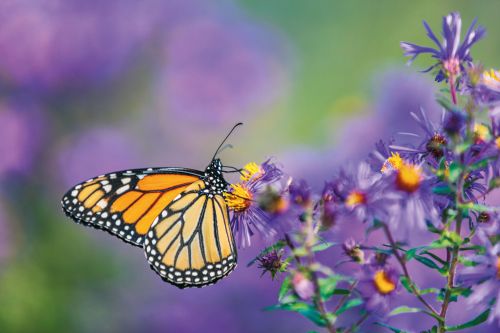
224,141
233,169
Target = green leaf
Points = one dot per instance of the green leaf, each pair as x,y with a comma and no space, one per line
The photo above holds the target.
406,283
349,305
442,189
341,292
404,309
459,291
467,262
276,246
433,256
474,322
410,254
304,309
432,228
327,286
285,287
393,329
454,172
377,224
322,246
427,262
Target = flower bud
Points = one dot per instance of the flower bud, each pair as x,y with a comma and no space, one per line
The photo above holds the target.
353,250
272,262
303,287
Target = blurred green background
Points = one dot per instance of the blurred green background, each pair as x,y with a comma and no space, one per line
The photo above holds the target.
87,88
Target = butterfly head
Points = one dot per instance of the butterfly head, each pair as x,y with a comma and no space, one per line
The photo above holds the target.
214,177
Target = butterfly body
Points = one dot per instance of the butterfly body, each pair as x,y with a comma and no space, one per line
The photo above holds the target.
177,215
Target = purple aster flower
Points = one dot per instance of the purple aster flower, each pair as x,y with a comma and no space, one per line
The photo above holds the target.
378,286
21,135
412,200
96,152
450,54
250,201
217,68
360,193
268,172
433,141
55,44
485,280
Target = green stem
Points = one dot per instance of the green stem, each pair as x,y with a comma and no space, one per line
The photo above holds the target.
402,262
317,301
453,90
451,279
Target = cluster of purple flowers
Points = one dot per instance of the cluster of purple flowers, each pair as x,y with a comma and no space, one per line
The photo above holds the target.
432,180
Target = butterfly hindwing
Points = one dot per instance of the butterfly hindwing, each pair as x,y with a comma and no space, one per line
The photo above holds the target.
126,203
191,245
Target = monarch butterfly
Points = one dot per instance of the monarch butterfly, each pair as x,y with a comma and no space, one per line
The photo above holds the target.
178,215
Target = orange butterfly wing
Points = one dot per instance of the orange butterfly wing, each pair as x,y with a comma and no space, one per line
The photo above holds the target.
191,245
127,203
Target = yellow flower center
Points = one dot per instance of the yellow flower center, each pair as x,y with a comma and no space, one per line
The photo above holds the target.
491,79
497,142
481,132
239,198
250,170
409,177
355,198
383,282
394,162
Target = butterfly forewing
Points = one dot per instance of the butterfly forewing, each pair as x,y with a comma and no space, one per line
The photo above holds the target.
127,203
191,245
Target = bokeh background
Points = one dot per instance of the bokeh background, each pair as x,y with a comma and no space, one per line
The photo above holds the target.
89,86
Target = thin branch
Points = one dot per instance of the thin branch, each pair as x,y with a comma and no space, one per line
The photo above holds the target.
402,262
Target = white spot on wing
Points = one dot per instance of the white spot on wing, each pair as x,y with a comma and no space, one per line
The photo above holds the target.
122,189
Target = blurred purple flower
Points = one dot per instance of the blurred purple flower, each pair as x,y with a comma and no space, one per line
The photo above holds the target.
300,193
361,193
450,54
218,68
485,277
397,93
55,44
21,134
98,151
487,89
